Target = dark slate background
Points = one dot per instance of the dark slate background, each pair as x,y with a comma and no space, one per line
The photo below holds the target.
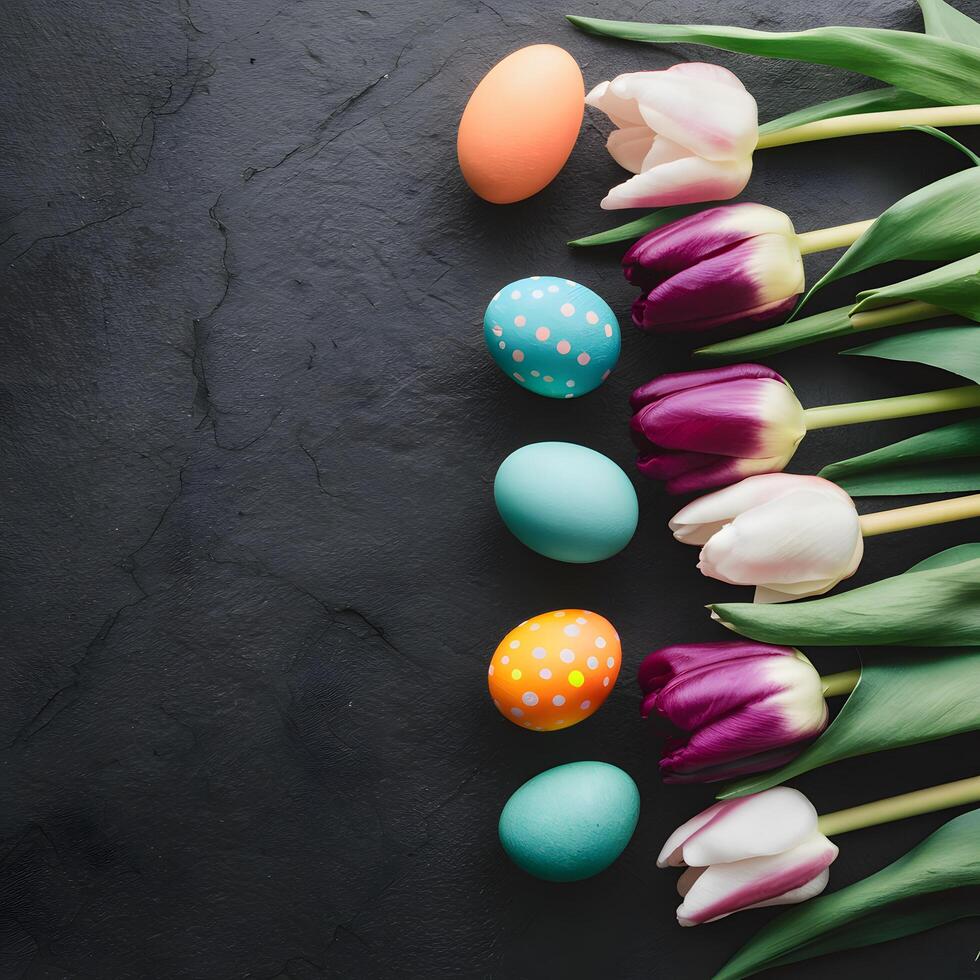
252,569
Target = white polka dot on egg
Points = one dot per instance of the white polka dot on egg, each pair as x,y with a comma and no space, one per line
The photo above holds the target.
571,630
593,663
600,642
558,700
566,656
529,698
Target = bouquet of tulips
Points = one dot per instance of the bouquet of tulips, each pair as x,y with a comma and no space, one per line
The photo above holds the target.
755,711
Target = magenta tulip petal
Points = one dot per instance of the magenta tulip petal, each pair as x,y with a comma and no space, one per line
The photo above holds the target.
662,666
740,281
669,466
722,472
744,417
743,766
687,241
668,384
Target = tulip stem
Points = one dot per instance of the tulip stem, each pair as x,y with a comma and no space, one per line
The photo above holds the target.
873,122
899,407
836,237
889,316
920,515
843,683
898,807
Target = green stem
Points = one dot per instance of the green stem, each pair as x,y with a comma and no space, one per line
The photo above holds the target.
898,807
873,122
843,683
837,237
920,515
900,407
890,316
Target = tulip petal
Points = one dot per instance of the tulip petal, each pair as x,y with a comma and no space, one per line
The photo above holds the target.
792,876
667,466
748,417
805,536
630,146
729,285
667,384
623,112
722,472
751,826
695,523
703,107
692,523
688,180
744,766
661,666
689,240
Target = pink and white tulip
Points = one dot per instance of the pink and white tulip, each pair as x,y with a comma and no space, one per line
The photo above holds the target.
701,429
747,853
743,707
790,536
687,133
737,262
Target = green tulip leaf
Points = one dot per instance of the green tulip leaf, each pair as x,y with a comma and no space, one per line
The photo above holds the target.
954,349
633,230
946,138
932,606
954,287
934,695
938,222
937,881
942,20
796,333
948,558
941,461
935,67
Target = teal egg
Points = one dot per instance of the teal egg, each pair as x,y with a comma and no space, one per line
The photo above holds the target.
552,336
566,502
570,822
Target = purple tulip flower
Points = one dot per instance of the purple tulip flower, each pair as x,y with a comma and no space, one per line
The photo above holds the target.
702,429
740,261
742,707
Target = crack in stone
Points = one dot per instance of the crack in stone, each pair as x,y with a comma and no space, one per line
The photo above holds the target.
335,614
66,695
249,172
74,231
316,468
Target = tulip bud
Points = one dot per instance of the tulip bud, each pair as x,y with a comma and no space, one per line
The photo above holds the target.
740,261
745,707
701,429
790,536
687,133
748,853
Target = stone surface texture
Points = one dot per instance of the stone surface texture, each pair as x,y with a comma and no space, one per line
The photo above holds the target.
252,571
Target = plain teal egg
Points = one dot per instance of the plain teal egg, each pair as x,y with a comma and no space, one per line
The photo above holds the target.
570,822
566,502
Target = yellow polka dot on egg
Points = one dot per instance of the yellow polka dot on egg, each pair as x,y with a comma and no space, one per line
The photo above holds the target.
576,678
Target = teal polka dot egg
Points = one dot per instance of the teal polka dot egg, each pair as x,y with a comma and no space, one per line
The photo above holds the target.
552,336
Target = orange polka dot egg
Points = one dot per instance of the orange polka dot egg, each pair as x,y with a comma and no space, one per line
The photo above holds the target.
555,669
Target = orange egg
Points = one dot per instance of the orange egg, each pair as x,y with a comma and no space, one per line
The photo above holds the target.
521,123
555,669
